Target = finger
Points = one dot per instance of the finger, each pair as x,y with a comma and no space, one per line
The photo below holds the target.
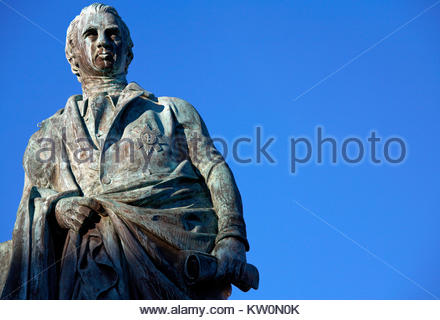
76,226
73,224
221,270
238,267
91,203
62,206
231,269
78,219
84,211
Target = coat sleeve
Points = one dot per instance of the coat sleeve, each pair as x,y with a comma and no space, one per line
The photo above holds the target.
217,174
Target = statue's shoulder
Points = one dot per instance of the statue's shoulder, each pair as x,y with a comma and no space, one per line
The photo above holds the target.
177,103
57,120
52,120
47,126
39,159
184,111
49,129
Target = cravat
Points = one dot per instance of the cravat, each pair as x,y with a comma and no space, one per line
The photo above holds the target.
101,114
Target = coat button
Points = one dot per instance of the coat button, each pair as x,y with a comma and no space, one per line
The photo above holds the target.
106,180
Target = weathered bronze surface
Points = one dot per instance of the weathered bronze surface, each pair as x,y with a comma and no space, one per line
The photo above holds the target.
125,195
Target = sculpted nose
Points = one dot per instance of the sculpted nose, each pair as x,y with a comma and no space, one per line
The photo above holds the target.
103,41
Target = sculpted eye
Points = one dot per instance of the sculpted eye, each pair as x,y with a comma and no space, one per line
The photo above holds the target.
92,32
113,33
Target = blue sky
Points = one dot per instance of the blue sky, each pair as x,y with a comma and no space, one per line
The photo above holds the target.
329,231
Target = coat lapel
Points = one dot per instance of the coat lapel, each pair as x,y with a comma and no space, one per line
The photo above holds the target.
130,92
77,136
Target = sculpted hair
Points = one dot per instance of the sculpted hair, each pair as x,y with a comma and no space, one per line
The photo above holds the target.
72,35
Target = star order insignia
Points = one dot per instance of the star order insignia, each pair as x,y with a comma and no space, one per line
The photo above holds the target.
150,138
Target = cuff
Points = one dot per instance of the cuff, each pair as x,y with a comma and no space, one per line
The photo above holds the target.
232,225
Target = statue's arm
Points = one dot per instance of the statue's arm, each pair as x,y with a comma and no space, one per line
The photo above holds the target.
218,177
227,203
43,165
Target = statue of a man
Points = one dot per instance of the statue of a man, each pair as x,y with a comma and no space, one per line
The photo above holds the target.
120,185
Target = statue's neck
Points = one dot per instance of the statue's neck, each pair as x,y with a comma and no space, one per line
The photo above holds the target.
92,85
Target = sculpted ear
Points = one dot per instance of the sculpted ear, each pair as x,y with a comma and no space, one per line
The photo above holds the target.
130,56
74,65
71,57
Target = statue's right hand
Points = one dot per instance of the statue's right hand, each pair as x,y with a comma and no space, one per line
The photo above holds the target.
71,212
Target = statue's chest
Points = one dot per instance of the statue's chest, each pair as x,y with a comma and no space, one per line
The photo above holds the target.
138,147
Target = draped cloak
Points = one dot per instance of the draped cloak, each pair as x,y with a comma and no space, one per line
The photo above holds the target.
163,187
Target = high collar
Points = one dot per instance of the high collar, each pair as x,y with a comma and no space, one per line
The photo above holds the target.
128,93
95,85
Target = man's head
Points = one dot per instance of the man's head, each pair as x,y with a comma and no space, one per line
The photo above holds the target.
98,43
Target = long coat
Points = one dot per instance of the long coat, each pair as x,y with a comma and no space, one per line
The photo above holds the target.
163,186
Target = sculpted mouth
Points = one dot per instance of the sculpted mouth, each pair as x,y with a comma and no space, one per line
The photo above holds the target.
107,55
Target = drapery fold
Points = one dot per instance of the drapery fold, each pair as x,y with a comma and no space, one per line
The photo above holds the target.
130,253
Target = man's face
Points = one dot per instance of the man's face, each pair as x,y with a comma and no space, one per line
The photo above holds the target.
102,49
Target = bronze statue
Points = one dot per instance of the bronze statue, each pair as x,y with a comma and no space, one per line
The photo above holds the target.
125,195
